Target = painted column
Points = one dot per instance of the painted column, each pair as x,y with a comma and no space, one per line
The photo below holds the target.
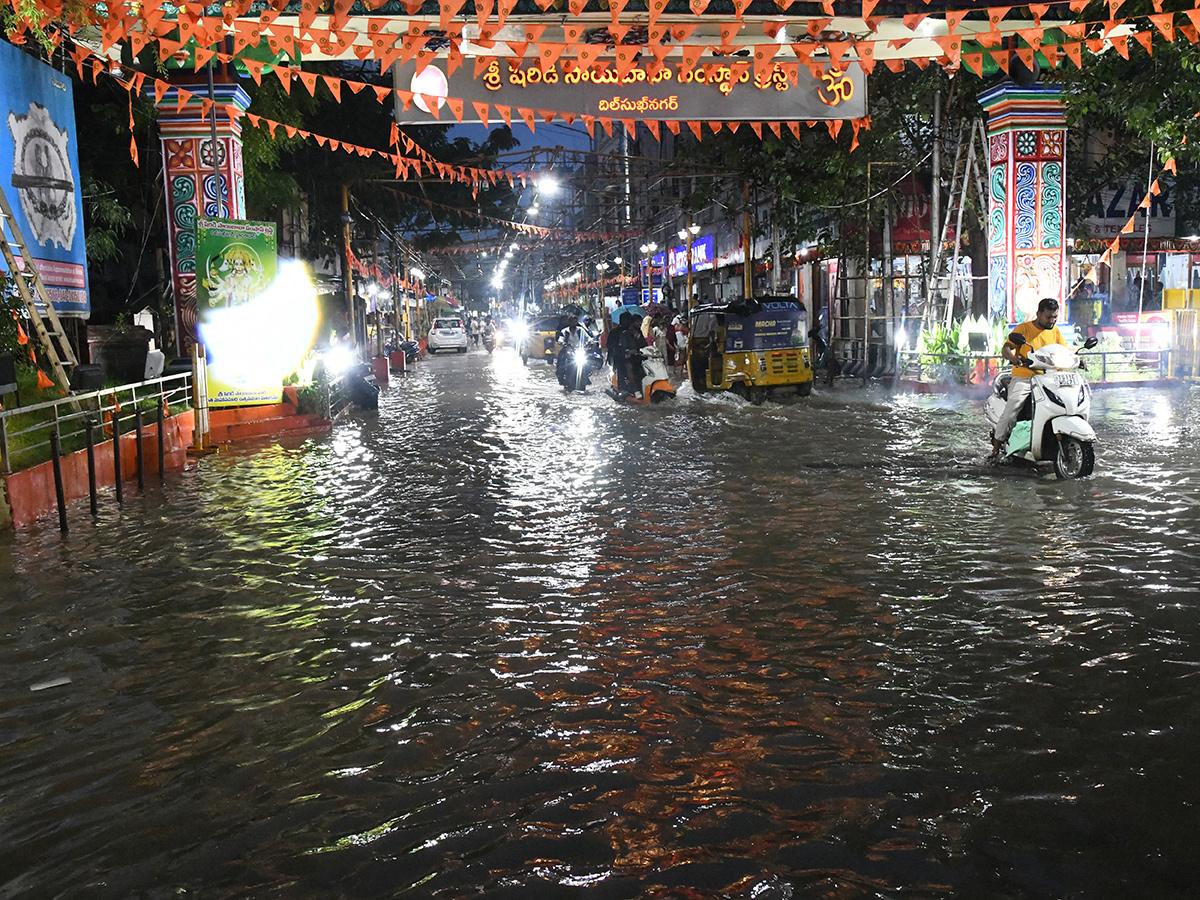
192,186
1027,209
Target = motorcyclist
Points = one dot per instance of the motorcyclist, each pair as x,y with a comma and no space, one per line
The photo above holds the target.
624,343
570,336
489,333
1038,332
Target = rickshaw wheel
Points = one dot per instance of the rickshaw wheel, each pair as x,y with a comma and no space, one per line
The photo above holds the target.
804,389
758,395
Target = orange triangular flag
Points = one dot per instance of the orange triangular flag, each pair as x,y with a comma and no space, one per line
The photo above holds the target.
1146,39
481,110
43,381
456,107
1165,22
1075,52
763,56
527,115
695,126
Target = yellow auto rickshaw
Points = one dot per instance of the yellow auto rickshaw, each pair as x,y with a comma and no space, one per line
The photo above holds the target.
535,338
754,348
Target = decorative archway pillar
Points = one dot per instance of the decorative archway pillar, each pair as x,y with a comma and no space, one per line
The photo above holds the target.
194,186
1027,171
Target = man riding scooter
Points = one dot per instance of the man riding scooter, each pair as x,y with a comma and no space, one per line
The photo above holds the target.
623,343
1038,332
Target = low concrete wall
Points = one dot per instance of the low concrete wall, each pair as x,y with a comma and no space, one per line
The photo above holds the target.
29,495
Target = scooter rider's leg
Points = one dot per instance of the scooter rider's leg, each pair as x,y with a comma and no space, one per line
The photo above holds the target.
1018,391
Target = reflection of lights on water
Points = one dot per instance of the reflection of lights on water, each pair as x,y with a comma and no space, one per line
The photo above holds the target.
263,340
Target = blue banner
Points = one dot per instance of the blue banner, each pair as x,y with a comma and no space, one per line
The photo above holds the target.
777,325
39,174
702,257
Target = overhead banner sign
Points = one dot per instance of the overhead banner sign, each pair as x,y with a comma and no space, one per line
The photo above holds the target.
706,93
39,174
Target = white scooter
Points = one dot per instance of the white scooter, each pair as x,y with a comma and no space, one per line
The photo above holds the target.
1052,426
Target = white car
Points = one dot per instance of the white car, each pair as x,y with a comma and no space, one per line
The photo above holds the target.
447,333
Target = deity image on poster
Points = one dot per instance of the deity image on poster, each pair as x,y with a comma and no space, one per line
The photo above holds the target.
43,177
235,275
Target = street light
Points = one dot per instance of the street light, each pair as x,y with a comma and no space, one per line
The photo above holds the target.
686,234
648,253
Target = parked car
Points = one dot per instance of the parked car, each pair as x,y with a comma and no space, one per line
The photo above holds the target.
447,333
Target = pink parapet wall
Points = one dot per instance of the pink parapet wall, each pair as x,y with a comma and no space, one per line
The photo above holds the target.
29,495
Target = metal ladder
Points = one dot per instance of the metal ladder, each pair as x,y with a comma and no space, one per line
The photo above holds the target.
24,274
970,167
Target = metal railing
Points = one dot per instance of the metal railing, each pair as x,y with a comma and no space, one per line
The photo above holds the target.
968,368
68,422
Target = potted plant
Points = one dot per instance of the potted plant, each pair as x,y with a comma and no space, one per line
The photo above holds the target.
120,349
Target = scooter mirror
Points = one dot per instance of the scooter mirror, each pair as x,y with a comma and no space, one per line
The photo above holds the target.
1016,339
1090,343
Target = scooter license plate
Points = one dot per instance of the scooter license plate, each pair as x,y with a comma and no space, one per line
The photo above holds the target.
1068,380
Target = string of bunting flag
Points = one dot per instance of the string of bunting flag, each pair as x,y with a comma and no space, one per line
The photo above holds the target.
563,235
142,23
1128,228
405,165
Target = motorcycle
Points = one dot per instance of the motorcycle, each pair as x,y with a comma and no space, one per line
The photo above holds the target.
575,373
1052,426
656,386
411,350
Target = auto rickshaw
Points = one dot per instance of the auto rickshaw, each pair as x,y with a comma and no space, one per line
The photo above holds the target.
754,347
535,339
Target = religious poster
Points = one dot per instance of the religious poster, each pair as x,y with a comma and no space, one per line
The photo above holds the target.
236,264
39,174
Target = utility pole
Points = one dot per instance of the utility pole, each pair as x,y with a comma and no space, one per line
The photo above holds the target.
347,268
747,244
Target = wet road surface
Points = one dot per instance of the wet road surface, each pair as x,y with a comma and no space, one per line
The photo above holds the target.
498,641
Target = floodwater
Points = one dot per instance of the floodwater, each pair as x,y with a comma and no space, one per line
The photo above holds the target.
497,641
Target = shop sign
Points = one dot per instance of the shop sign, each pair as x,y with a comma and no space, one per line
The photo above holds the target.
1108,211
702,257
709,92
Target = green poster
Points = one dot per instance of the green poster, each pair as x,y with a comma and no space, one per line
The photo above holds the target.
237,310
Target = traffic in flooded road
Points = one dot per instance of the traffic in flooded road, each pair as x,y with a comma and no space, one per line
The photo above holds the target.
501,640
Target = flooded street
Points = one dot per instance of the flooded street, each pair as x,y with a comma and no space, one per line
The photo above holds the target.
498,641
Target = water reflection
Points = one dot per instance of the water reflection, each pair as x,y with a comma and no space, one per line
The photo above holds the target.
500,640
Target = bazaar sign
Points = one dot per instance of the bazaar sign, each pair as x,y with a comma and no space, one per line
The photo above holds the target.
711,92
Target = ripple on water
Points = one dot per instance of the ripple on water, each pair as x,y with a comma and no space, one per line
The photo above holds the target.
499,639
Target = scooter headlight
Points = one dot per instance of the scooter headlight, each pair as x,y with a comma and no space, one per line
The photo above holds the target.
1082,394
1053,396
579,355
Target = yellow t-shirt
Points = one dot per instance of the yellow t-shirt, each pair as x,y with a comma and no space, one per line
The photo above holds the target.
1035,338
